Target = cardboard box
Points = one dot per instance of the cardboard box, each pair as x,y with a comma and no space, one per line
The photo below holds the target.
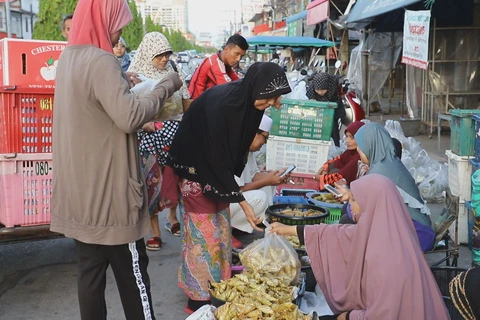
29,65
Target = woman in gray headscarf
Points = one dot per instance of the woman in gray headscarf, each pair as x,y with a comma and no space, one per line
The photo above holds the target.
376,149
120,51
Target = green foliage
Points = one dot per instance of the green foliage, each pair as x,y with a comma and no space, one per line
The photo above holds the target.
51,13
48,26
151,26
133,32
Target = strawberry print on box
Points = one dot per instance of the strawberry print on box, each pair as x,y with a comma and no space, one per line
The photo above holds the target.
29,64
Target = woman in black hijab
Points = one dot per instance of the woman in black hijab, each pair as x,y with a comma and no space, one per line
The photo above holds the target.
324,87
208,150
465,293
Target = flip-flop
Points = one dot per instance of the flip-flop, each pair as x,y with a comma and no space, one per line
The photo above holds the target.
173,228
187,310
154,244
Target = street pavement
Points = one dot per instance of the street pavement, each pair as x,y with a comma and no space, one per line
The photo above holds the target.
38,279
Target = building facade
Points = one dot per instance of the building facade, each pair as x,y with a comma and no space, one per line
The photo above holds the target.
172,14
23,17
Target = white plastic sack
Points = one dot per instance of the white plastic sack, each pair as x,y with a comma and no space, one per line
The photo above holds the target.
146,86
203,313
299,92
315,301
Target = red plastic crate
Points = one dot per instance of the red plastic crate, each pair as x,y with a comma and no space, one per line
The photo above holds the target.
301,180
26,121
25,189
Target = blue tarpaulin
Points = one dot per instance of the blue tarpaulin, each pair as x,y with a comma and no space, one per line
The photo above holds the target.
295,17
289,41
365,9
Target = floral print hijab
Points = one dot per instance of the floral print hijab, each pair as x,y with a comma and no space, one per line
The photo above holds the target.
152,45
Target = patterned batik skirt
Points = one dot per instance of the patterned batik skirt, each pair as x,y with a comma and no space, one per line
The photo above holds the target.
206,241
152,174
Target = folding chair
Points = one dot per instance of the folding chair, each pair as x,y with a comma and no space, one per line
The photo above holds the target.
442,239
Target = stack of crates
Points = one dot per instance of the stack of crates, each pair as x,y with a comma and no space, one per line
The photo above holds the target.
460,157
27,84
300,135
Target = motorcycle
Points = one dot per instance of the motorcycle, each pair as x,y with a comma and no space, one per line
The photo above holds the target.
353,105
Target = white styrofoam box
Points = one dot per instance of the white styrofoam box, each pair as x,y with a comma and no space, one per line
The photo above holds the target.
308,155
462,225
459,175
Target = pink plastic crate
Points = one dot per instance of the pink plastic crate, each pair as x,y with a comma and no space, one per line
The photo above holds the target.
25,189
301,180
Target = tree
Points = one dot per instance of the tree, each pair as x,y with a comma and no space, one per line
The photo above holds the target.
151,26
133,32
50,16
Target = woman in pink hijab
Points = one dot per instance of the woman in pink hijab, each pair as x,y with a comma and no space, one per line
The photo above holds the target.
98,194
374,269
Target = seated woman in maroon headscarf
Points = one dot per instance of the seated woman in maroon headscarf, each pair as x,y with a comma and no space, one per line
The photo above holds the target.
345,166
374,269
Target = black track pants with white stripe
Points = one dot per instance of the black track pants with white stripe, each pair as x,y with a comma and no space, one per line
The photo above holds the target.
129,264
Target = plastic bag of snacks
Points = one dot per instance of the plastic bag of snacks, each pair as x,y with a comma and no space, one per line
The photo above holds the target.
272,256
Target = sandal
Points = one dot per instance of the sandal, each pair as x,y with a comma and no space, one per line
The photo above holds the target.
173,228
154,244
188,311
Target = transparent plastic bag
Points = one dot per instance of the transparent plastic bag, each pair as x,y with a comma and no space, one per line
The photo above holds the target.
205,312
272,256
430,175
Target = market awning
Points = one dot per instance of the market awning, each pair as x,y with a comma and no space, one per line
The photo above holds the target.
318,11
295,17
289,41
364,9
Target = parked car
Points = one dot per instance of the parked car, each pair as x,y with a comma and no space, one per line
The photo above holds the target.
184,57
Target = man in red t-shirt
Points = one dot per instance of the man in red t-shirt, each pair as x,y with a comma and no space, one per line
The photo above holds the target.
218,68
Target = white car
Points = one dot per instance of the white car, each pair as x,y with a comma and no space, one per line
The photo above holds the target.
184,57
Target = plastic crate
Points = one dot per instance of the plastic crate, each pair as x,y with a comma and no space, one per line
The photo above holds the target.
26,122
301,181
459,175
307,119
296,192
25,189
462,137
289,200
307,155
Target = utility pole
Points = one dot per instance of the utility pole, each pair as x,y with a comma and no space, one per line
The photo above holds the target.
9,19
241,12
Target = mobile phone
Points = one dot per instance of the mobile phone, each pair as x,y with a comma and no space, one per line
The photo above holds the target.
333,191
289,170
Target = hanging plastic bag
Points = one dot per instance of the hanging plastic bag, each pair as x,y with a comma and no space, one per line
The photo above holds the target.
272,256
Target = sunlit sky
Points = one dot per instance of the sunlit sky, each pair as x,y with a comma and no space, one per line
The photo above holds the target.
204,15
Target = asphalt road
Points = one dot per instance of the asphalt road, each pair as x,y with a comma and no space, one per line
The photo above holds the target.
38,280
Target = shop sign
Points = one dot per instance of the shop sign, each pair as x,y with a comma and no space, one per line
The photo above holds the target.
415,38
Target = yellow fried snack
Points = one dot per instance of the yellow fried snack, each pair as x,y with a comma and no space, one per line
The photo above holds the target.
276,262
326,197
285,311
